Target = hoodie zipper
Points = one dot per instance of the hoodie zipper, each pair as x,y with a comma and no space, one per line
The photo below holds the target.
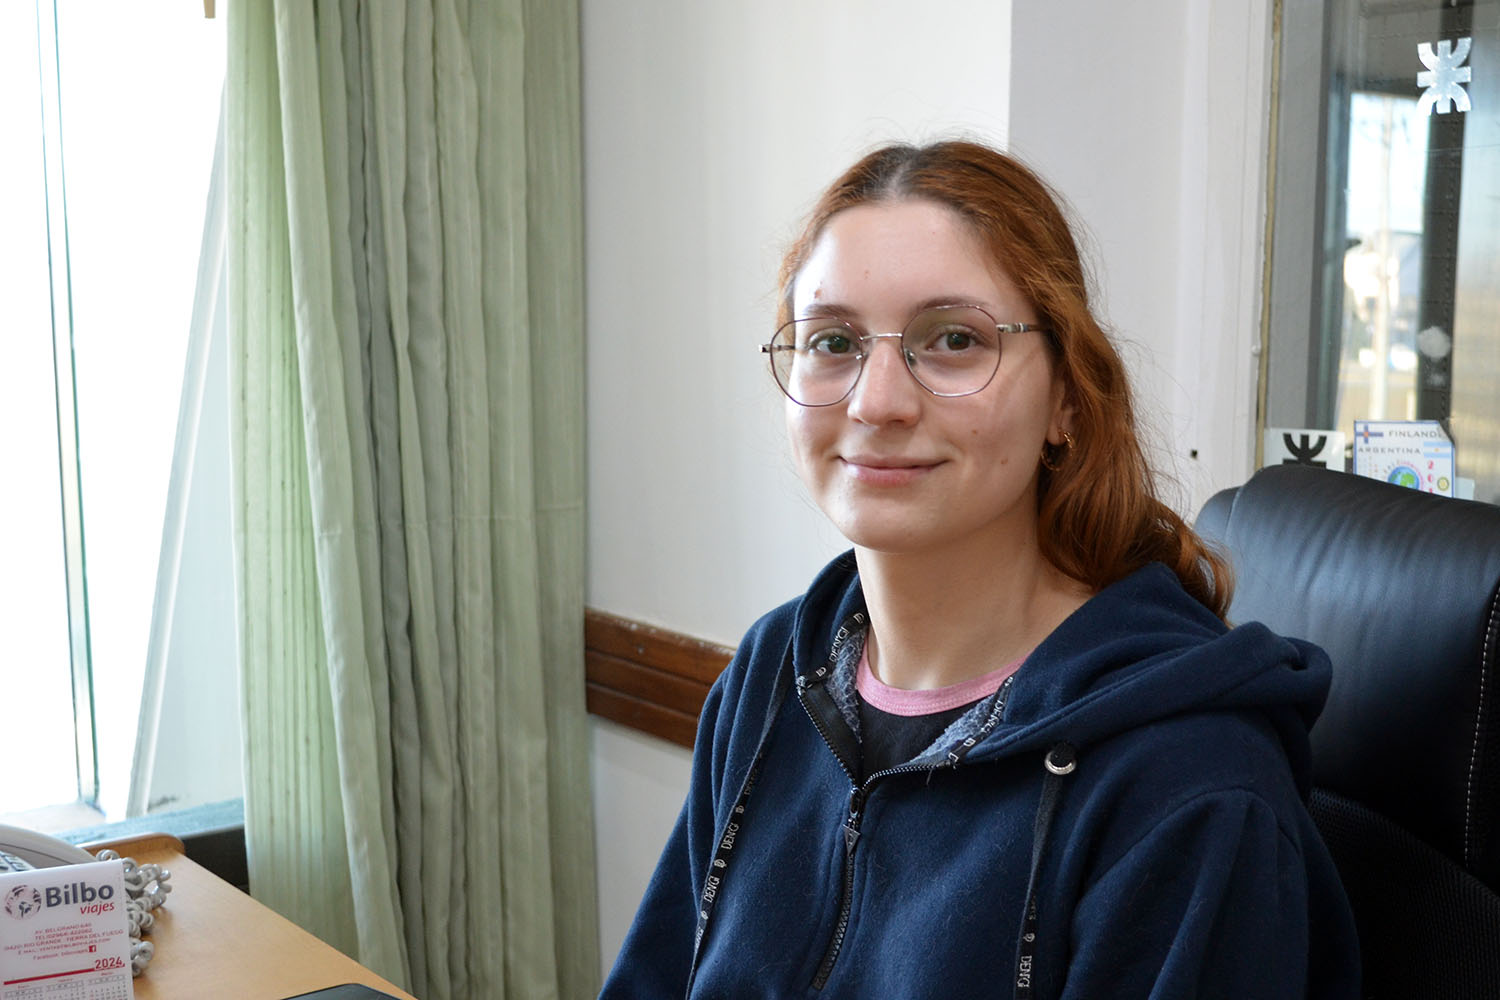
846,898
858,794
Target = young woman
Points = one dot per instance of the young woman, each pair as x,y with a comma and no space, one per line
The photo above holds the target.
1006,746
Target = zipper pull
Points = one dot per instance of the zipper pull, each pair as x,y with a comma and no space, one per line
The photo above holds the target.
851,825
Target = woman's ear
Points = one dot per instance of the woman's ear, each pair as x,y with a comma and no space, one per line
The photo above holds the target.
1062,414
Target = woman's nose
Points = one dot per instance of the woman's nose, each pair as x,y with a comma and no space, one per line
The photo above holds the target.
886,391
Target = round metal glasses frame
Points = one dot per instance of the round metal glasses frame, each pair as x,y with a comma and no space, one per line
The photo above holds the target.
781,372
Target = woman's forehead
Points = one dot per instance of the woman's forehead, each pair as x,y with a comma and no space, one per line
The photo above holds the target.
897,254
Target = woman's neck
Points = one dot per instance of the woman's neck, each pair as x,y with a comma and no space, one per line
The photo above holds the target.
943,617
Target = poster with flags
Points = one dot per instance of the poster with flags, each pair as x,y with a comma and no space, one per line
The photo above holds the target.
1414,453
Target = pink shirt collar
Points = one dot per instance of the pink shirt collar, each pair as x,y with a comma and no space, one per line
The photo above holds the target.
896,701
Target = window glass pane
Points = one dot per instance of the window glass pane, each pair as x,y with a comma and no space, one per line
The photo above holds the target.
1387,158
141,87
1385,299
37,760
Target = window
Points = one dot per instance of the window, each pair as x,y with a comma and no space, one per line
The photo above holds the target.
108,392
1386,222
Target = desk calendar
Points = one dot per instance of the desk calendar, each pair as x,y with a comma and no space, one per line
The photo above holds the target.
64,934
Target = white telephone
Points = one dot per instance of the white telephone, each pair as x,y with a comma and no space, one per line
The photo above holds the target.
38,850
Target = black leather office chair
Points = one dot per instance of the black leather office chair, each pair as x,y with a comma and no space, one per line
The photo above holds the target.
1401,589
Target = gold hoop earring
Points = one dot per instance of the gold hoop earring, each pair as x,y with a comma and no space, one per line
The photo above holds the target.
1050,463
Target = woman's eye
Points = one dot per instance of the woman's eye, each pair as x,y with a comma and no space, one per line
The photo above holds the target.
830,342
958,340
953,339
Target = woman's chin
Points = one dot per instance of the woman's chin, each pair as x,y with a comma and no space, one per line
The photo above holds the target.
898,537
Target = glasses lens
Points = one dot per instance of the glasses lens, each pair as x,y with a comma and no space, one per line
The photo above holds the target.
815,361
952,351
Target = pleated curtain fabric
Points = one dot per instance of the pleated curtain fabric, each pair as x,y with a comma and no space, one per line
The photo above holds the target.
406,342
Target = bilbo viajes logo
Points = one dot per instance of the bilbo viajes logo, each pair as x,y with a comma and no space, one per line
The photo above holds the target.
22,901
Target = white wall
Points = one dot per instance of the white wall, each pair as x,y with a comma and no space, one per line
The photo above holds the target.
709,128
639,783
1150,118
710,125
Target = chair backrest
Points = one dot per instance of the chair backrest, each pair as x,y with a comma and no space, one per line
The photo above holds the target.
1401,589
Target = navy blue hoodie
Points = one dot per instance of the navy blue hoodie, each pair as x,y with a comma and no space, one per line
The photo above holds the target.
1123,818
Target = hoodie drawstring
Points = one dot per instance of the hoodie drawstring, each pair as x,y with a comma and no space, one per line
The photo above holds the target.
724,846
1060,762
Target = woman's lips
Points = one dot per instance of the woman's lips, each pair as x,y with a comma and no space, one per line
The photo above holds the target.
886,471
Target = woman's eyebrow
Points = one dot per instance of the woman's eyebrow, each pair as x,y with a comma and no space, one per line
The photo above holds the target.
945,301
838,310
824,310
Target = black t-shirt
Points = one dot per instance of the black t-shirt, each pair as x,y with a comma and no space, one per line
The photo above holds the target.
889,740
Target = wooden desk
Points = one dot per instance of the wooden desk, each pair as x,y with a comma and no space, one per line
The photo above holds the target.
213,941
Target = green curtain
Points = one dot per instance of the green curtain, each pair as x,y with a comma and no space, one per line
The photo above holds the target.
406,341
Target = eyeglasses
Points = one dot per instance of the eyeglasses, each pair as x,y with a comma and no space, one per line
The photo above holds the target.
949,350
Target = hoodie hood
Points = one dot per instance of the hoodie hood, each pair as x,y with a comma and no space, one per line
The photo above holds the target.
1139,651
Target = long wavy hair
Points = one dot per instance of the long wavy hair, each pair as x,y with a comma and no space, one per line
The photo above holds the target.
1099,517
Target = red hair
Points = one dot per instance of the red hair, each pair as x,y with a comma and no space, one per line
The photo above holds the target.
1099,518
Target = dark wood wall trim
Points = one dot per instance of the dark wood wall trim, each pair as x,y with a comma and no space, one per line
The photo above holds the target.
648,678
